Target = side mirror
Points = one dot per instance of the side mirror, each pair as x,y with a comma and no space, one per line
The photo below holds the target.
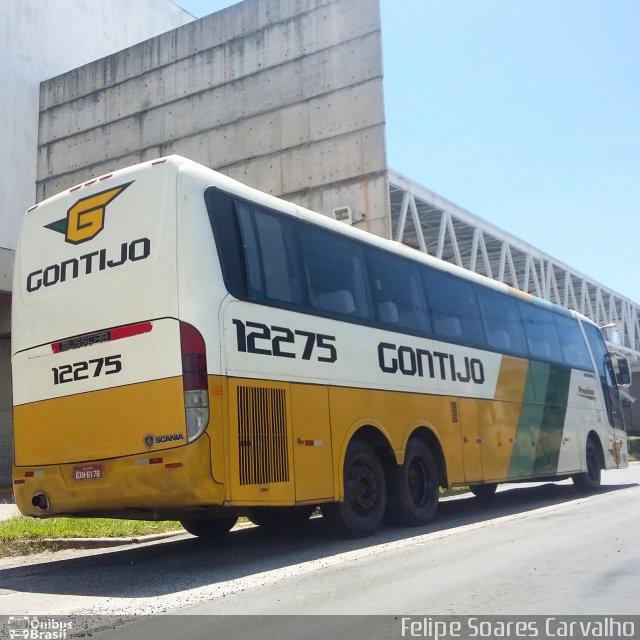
623,375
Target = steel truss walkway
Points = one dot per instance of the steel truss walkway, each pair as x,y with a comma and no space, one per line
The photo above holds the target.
426,221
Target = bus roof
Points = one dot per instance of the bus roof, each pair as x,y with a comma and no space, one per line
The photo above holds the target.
209,176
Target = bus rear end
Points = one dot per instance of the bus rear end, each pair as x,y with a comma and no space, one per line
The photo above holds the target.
110,387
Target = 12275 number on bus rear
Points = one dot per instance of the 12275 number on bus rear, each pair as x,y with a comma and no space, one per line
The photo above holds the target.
87,369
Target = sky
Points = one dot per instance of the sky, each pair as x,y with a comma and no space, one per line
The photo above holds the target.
523,112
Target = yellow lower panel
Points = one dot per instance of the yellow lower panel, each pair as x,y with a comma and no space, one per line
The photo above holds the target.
287,442
107,423
127,483
477,437
397,415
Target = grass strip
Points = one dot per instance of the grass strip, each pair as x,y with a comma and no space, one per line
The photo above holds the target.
21,535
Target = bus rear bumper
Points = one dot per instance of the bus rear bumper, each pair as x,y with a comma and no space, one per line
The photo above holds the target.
159,485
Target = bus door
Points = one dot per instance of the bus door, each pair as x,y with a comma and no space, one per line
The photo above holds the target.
492,428
489,443
612,402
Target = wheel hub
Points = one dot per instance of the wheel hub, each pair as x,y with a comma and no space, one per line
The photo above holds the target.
365,490
418,481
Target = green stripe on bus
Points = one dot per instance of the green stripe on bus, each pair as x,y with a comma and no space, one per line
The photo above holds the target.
540,427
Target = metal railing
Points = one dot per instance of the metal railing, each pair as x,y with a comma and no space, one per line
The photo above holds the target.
428,222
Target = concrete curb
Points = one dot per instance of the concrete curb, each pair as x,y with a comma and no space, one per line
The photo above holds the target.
99,543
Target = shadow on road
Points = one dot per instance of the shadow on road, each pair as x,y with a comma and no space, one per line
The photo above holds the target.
187,562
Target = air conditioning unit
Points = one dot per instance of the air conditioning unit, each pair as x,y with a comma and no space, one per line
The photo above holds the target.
343,214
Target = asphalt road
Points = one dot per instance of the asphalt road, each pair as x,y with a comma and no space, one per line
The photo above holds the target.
541,549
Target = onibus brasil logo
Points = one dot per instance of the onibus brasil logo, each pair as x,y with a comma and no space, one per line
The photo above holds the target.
38,628
85,219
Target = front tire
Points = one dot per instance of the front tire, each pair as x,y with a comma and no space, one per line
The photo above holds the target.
209,529
483,491
365,494
413,486
589,481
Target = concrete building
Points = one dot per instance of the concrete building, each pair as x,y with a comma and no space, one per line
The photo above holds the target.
284,96
40,39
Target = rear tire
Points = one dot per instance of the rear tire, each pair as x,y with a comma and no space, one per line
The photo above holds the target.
365,494
208,529
413,486
589,481
280,517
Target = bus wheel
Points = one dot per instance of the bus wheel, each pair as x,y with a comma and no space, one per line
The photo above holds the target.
280,517
365,494
589,481
483,491
209,528
413,490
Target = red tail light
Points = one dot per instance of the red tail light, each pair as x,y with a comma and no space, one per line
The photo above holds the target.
194,358
194,380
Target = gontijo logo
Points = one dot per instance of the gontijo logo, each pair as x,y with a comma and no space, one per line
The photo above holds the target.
85,219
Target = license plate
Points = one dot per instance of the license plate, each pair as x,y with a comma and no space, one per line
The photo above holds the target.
88,472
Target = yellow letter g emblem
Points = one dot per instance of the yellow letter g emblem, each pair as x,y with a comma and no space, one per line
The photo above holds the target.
85,219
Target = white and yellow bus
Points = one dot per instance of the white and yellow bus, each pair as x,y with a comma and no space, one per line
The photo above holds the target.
185,347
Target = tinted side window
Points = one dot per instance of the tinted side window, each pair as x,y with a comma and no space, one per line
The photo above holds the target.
257,250
502,322
270,255
229,242
600,355
540,331
279,258
397,295
453,308
574,349
606,375
251,251
335,273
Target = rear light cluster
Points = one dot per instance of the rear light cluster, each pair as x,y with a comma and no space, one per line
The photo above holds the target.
194,380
